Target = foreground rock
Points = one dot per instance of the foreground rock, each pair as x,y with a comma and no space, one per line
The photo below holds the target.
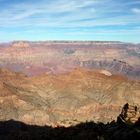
130,114
15,130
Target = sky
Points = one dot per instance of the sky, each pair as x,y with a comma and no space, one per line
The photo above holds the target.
103,20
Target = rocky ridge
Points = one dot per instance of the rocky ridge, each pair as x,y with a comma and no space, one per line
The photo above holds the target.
65,99
15,130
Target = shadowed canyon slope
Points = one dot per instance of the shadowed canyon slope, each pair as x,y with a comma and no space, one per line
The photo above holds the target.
65,99
33,58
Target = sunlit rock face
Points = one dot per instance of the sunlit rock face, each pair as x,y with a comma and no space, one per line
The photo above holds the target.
105,72
130,114
33,58
21,44
65,99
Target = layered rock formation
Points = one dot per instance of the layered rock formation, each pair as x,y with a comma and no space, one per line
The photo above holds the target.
130,114
33,58
65,99
114,66
67,82
20,45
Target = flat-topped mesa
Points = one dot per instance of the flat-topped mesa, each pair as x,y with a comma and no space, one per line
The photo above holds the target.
86,42
68,42
20,44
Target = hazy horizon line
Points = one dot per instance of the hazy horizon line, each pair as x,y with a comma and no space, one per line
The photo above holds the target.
67,40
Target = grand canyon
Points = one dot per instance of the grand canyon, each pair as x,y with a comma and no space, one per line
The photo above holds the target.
70,70
64,83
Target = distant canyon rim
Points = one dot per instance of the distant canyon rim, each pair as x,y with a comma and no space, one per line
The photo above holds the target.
33,58
61,83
